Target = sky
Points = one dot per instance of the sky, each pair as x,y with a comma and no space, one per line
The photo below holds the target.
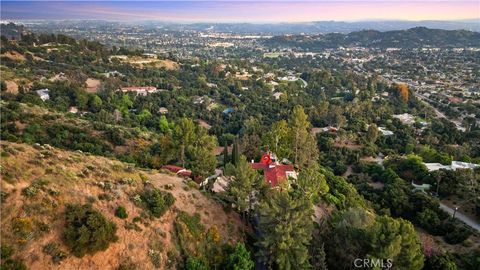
242,11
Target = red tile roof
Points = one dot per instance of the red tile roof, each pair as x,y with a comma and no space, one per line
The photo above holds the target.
178,170
274,173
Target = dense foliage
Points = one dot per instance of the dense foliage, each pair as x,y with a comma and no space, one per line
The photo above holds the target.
87,230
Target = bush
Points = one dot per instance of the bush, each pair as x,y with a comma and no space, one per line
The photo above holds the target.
429,220
457,235
53,250
13,264
87,230
440,262
9,263
194,263
156,201
155,258
340,168
121,212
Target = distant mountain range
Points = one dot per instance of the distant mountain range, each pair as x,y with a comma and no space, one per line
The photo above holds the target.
410,38
318,27
337,26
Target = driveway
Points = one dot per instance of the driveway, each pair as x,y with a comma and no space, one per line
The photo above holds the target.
470,222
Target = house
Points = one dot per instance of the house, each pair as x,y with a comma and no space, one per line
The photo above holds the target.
463,165
277,95
274,172
140,90
73,109
455,165
43,94
163,110
385,132
178,170
406,118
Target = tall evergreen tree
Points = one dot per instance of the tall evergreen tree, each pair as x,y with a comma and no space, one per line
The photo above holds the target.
235,153
225,154
245,181
184,133
285,229
304,147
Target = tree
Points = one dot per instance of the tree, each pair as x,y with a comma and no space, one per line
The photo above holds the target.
195,263
157,202
225,154
87,230
202,160
164,125
396,239
95,103
183,134
235,153
244,183
311,182
319,258
3,86
335,116
240,259
285,230
372,133
278,140
402,90
304,148
358,233
440,262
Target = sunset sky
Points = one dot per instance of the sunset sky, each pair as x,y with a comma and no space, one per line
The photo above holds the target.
242,11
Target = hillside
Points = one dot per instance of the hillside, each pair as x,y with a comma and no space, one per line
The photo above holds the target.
38,182
410,38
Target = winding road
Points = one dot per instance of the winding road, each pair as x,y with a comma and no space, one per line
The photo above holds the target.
467,220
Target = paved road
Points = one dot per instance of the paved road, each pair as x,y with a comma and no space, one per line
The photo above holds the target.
467,220
439,113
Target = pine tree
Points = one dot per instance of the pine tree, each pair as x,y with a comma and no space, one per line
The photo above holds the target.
320,258
235,153
303,144
225,154
285,226
244,183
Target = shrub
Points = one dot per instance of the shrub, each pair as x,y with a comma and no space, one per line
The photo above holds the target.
240,258
87,230
156,201
195,263
428,219
13,264
121,212
440,262
155,258
7,262
127,265
53,250
457,235
6,251
339,168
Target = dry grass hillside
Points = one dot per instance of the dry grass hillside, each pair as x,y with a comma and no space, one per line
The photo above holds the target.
37,182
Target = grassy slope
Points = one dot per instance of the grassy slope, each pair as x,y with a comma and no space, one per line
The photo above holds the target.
74,177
